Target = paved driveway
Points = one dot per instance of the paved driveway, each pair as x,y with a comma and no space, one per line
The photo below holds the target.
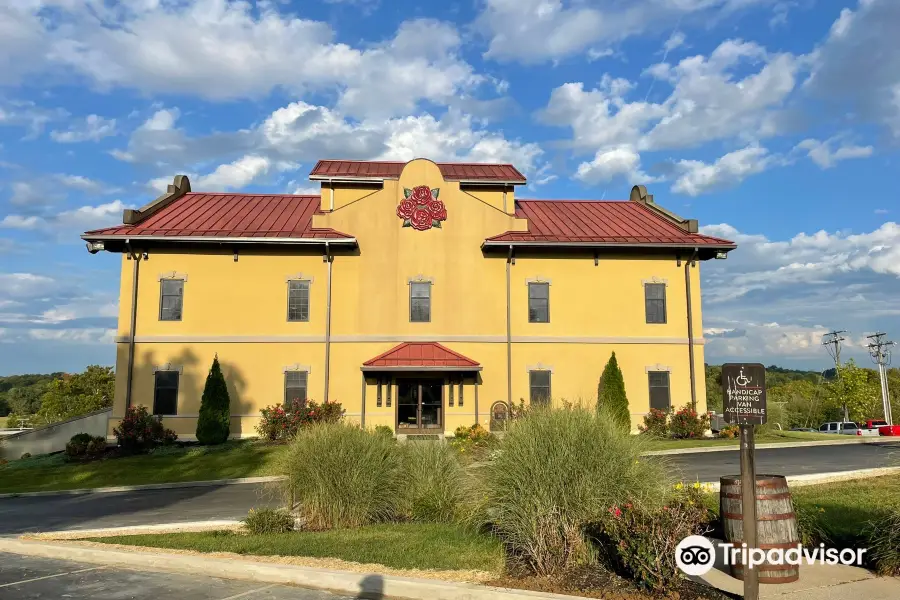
52,513
32,578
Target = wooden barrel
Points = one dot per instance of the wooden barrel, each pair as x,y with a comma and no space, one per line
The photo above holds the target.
776,523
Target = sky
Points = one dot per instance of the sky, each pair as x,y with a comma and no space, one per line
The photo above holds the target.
775,123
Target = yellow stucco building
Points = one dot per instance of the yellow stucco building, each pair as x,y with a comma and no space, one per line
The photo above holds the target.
421,296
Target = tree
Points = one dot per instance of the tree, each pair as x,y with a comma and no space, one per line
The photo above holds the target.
25,400
214,423
714,388
611,393
855,387
79,394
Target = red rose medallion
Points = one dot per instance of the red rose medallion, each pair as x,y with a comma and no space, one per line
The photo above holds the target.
421,209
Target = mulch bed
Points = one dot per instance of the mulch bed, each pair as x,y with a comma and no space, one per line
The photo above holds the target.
595,582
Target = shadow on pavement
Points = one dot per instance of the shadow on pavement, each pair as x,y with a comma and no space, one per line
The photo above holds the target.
371,588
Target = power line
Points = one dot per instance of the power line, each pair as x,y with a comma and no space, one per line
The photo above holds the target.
880,351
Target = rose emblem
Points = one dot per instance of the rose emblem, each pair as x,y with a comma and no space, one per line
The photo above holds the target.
421,209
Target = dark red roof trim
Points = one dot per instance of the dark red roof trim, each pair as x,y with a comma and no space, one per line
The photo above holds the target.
421,355
360,169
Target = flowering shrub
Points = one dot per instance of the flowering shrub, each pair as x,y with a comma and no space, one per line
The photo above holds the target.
278,423
640,543
139,431
730,432
470,439
656,423
686,423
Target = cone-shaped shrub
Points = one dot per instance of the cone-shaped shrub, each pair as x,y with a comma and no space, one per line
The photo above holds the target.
611,394
214,423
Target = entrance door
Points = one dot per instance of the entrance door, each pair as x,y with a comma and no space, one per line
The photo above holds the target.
420,405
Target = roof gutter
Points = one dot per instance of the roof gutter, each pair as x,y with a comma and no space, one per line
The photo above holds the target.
223,240
500,244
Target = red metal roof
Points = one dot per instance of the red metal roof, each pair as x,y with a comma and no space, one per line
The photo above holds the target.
423,355
352,169
594,221
230,215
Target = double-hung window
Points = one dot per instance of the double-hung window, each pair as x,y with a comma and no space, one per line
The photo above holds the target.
298,300
171,299
538,302
294,387
165,393
655,302
659,390
539,388
420,302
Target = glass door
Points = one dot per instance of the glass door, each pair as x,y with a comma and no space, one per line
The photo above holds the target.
420,405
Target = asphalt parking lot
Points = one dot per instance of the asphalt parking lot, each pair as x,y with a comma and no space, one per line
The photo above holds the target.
32,578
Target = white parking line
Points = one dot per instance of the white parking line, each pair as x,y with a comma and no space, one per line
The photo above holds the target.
245,594
51,576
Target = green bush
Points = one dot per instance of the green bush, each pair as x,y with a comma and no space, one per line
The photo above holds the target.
343,476
884,544
558,472
810,525
640,543
266,520
385,431
611,394
82,445
214,423
687,424
434,490
656,423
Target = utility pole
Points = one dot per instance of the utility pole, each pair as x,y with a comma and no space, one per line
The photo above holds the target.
832,342
880,351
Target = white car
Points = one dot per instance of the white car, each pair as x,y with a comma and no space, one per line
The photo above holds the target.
844,428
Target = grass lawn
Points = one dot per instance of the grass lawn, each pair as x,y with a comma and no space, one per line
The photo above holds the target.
166,465
844,508
774,437
400,546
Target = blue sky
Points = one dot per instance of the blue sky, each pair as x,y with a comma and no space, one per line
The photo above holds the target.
773,122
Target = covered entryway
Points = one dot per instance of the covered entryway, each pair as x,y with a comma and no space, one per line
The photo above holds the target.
422,373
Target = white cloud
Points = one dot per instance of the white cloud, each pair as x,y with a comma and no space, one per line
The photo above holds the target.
857,66
607,165
246,50
698,177
93,128
676,40
235,175
775,298
533,31
823,154
31,193
68,224
88,335
25,113
82,183
25,285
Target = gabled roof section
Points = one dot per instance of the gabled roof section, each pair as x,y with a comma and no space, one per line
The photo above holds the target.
199,217
600,223
421,356
363,170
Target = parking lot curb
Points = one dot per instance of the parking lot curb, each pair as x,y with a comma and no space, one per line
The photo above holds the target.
775,445
363,585
149,486
833,477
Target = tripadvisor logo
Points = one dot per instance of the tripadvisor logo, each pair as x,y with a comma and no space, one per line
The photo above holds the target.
696,555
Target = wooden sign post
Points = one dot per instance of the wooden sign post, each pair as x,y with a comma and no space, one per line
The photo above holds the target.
744,394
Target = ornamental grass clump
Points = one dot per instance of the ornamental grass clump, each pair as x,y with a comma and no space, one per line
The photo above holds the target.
434,490
883,541
339,475
557,475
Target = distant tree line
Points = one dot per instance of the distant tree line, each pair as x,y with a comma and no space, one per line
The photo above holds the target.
50,398
798,398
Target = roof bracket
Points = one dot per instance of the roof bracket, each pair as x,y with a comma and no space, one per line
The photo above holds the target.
235,255
596,259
